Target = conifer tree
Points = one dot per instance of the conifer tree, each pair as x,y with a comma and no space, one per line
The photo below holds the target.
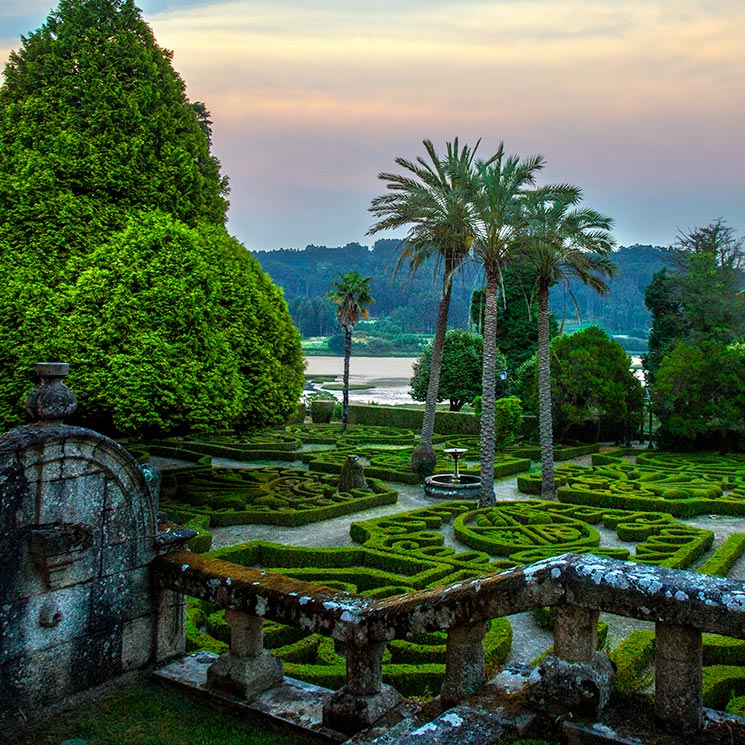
113,249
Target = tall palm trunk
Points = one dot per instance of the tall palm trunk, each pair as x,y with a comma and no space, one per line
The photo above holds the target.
345,393
545,419
488,392
423,458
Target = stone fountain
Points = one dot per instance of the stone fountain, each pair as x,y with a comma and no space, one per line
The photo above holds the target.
453,485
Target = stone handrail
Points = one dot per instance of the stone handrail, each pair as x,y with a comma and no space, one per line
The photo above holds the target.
577,587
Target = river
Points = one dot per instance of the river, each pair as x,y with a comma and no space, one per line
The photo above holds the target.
388,377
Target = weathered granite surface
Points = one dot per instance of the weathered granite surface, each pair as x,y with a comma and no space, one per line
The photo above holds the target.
77,521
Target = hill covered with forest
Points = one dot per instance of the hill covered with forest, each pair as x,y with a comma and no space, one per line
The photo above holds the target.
407,304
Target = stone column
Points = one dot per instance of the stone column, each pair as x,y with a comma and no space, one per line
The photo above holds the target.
464,662
246,670
575,633
678,677
364,698
576,678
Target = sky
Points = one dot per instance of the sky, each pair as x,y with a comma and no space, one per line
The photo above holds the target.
640,103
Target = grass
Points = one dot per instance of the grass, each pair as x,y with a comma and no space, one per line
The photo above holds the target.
146,715
321,378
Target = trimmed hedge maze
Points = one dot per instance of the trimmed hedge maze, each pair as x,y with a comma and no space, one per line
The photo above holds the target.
409,551
271,496
331,434
619,484
393,463
414,667
723,668
271,445
723,657
523,532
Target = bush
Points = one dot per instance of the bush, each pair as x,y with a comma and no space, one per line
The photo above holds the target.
321,411
115,255
631,657
270,496
699,396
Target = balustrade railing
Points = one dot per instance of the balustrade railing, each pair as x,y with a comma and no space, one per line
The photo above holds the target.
682,605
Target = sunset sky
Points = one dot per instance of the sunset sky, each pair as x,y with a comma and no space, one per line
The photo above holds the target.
642,104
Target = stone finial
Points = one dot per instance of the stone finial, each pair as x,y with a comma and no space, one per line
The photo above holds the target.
51,401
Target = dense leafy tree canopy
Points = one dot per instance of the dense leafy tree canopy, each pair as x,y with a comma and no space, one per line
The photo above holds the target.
700,298
699,397
460,378
113,250
92,110
593,391
517,333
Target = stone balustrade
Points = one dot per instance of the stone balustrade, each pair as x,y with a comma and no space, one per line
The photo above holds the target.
682,605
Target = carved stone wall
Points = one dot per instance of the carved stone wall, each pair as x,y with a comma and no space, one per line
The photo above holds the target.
77,523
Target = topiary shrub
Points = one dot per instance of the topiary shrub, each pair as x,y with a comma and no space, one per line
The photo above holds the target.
321,411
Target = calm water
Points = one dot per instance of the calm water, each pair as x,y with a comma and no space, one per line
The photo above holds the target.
388,376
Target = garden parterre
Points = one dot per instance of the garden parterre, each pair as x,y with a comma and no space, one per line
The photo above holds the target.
275,495
407,551
705,486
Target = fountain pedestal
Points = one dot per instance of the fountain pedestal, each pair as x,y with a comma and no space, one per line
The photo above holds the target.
453,485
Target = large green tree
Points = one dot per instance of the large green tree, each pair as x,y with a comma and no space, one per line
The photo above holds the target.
700,297
351,295
699,397
563,240
113,249
462,367
593,391
432,198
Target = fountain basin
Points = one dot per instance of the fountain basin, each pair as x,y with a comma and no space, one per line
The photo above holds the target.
446,486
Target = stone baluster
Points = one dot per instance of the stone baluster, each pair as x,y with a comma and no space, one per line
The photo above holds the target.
464,662
247,670
576,678
678,677
575,633
364,698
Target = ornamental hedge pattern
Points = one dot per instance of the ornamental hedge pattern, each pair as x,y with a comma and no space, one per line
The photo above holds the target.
415,550
274,496
409,551
700,486
393,463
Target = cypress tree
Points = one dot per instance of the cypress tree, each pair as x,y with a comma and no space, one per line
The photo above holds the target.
113,249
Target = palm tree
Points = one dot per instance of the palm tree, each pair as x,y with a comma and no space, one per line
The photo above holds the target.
351,295
432,199
563,241
498,192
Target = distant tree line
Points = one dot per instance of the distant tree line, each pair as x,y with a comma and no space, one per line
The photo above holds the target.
409,302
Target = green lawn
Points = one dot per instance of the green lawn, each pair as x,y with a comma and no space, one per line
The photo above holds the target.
146,715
